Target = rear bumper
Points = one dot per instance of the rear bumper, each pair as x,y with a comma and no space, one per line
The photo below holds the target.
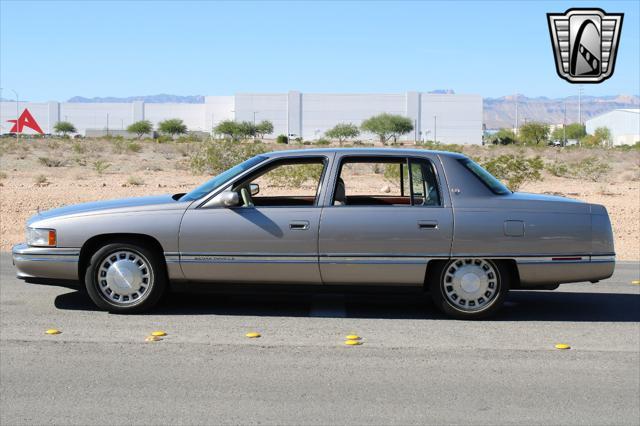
46,262
544,271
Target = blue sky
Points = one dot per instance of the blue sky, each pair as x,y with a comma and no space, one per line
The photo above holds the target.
55,50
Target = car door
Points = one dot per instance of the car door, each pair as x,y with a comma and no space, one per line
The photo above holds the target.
386,237
271,237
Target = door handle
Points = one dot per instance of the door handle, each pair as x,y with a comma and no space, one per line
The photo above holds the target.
428,224
299,225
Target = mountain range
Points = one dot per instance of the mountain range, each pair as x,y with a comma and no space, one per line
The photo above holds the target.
501,112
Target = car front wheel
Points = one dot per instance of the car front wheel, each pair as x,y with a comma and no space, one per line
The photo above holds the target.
125,278
469,288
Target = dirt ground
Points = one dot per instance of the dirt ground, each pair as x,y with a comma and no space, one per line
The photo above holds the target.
43,174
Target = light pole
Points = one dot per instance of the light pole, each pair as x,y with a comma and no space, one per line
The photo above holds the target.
564,125
254,117
435,129
17,116
516,129
107,124
580,104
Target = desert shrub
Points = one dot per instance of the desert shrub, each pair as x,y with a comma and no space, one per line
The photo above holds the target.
515,170
164,139
559,169
282,139
189,138
78,148
3,175
134,147
51,162
118,146
134,181
185,149
52,144
122,146
217,156
296,174
41,180
298,139
323,141
100,166
590,168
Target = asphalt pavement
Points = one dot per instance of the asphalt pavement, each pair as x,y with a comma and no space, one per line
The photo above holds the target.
414,366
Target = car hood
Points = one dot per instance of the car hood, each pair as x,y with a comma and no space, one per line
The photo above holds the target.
120,205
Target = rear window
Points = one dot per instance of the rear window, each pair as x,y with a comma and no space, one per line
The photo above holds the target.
485,177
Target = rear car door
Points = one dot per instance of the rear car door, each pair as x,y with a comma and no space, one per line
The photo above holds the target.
385,219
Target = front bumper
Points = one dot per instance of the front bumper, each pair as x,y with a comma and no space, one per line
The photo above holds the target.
46,262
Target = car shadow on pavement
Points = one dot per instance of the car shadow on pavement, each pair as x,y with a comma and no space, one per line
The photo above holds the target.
520,306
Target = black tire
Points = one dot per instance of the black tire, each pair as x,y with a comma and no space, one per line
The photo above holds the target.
149,292
442,298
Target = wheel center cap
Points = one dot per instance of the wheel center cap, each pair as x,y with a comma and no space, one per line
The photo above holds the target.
124,277
470,283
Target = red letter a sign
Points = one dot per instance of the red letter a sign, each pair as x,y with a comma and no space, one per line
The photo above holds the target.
25,120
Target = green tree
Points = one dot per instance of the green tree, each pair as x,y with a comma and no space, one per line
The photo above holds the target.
265,127
172,126
573,131
534,132
387,126
502,137
342,132
64,127
603,136
227,128
140,128
600,137
236,131
247,129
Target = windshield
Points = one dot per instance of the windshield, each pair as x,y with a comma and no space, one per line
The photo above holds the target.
487,178
223,177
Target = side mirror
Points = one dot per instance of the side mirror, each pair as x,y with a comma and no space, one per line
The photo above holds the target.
254,188
225,199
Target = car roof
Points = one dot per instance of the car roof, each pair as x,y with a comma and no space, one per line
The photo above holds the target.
362,151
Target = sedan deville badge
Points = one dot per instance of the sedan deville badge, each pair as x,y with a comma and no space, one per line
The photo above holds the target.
585,43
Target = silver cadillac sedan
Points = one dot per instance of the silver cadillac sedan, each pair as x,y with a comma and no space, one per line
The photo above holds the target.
405,219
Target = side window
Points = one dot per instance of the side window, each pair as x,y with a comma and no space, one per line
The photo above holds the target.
386,181
425,188
283,183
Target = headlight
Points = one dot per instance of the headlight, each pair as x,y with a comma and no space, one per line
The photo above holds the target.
41,237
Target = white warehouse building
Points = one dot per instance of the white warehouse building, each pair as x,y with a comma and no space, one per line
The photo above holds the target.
624,125
448,118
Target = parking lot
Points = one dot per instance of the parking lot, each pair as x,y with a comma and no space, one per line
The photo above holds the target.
413,366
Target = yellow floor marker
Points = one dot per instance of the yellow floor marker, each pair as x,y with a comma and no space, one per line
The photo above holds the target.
562,346
252,335
158,333
53,331
351,342
635,282
352,337
152,339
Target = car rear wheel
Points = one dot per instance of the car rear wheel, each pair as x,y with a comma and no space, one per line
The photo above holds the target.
125,278
469,288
